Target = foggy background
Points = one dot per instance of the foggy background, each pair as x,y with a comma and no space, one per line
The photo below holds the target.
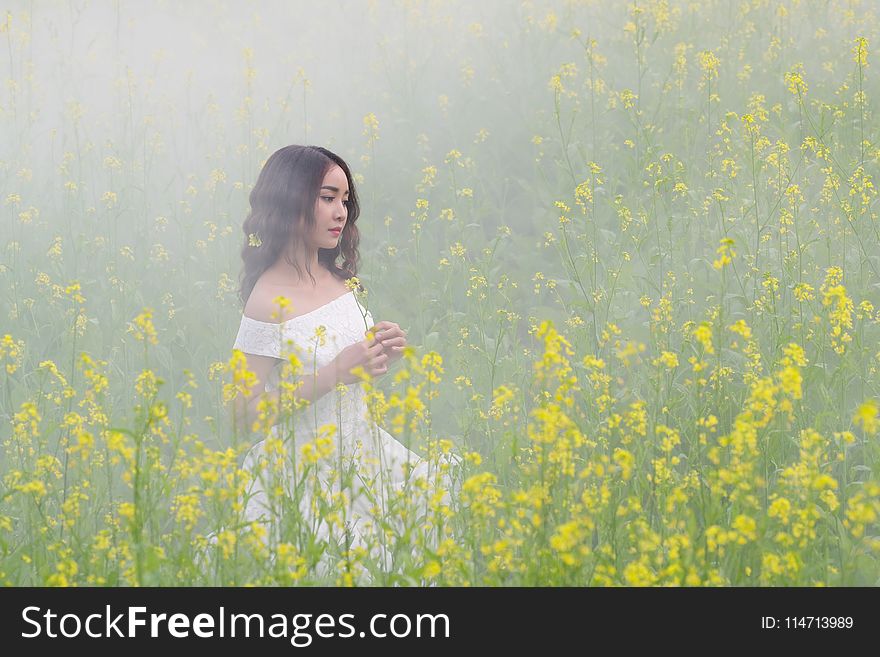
133,131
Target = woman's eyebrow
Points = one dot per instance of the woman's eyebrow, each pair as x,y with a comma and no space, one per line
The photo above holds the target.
332,189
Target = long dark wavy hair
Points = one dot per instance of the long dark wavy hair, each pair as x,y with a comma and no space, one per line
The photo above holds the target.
287,189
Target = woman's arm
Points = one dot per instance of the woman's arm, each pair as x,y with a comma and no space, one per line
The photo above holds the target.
311,388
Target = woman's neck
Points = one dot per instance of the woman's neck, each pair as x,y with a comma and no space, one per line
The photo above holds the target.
283,266
289,272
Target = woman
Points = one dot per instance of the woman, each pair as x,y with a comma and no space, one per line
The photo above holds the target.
344,473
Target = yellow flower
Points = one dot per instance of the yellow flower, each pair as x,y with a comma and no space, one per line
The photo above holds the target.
863,509
708,65
860,51
803,292
780,508
453,156
795,81
13,350
703,334
741,328
243,379
638,574
432,569
794,353
626,461
745,526
725,253
866,417
501,396
569,538
790,381
142,326
480,494
322,447
670,439
371,127
147,383
282,303
840,316
38,488
354,284
667,358
321,335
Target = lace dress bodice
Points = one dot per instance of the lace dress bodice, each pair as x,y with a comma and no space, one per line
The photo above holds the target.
344,318
316,338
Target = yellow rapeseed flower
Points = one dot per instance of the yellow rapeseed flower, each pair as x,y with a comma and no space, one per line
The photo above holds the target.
703,334
142,326
725,253
860,51
668,359
867,417
795,82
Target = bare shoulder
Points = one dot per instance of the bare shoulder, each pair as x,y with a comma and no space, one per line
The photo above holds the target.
302,298
262,305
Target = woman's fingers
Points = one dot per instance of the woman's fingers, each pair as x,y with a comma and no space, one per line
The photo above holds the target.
388,330
379,364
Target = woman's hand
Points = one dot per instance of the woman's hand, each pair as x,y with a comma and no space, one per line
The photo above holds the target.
392,338
366,354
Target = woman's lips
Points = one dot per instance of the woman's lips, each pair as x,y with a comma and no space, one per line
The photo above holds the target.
336,231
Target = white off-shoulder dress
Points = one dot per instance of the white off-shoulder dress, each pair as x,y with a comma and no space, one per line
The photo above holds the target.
372,471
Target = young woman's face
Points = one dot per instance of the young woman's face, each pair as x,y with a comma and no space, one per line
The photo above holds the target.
331,209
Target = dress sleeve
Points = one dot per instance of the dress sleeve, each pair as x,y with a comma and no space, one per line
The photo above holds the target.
258,338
